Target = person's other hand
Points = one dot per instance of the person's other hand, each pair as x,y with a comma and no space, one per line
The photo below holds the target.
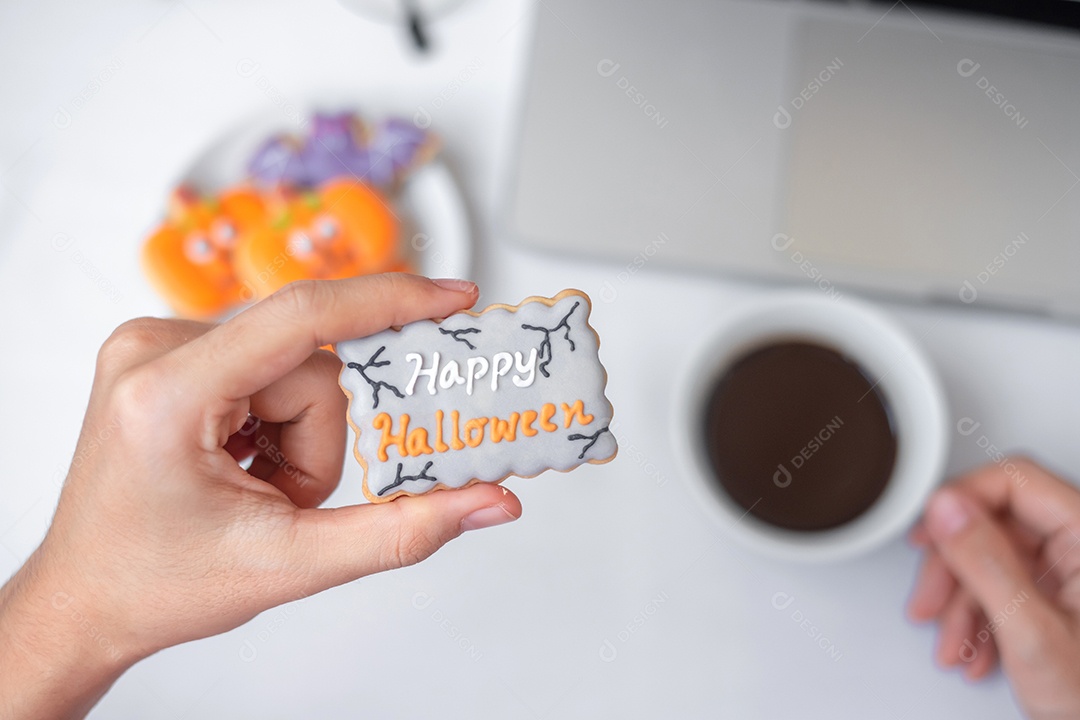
161,537
1001,577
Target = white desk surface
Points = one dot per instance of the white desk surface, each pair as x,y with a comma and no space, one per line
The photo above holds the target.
508,622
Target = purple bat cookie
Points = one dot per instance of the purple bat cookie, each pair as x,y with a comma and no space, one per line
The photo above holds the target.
277,161
341,145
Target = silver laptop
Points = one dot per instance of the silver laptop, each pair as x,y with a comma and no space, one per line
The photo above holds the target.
886,147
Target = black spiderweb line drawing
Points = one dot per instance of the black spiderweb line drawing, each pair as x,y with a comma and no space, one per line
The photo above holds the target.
456,334
376,385
400,479
591,438
545,345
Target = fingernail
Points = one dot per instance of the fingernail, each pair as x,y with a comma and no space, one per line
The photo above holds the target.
456,285
947,514
487,517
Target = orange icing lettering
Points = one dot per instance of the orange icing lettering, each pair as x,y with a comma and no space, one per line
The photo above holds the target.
383,422
504,429
417,443
546,413
472,437
576,410
440,446
527,419
455,441
471,433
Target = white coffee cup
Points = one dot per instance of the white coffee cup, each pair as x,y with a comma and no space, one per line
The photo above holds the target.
905,378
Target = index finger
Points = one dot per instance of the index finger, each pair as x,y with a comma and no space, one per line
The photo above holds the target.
262,344
1039,499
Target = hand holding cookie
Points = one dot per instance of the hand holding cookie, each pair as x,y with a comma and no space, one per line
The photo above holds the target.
161,537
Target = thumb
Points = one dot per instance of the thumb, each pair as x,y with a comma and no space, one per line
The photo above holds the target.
342,544
983,559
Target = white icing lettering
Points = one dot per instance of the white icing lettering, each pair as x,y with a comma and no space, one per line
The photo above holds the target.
500,365
421,370
450,375
446,375
523,367
477,367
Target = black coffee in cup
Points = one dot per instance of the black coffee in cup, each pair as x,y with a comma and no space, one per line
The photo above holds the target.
799,436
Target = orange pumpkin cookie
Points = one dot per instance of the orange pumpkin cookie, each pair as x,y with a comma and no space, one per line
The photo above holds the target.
188,258
342,229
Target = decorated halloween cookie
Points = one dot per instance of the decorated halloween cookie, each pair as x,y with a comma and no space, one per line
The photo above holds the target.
477,397
339,145
343,229
188,258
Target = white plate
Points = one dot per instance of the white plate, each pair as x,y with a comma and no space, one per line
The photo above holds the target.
434,226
